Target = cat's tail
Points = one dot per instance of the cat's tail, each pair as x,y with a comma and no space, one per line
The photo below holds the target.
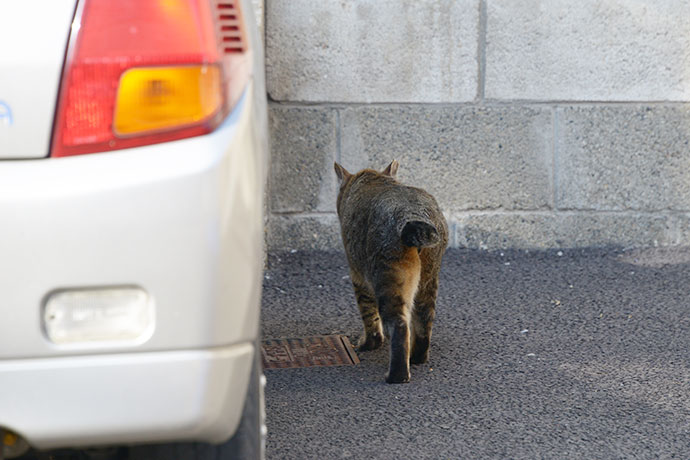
419,234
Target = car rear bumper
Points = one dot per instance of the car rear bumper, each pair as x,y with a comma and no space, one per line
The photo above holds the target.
126,398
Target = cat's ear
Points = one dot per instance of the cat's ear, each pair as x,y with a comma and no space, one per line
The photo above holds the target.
341,172
391,169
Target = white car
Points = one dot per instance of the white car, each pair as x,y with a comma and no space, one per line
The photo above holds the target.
133,157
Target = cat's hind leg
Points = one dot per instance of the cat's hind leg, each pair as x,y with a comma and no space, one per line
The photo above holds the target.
422,320
395,291
373,331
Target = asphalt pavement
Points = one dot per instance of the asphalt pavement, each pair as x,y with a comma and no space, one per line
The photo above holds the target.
579,354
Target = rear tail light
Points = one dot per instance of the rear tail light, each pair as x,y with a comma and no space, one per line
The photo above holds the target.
158,98
142,72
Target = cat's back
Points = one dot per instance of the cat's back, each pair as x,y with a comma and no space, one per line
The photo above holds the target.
379,207
385,195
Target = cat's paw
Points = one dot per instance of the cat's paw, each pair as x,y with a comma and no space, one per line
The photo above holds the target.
398,377
370,342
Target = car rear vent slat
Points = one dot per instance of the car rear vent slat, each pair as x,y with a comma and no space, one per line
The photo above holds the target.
230,30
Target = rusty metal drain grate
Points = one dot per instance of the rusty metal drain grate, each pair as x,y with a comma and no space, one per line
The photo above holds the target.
328,350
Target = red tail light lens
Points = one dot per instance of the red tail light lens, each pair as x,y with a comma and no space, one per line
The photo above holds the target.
142,72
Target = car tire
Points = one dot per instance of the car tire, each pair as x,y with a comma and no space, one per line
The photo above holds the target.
248,442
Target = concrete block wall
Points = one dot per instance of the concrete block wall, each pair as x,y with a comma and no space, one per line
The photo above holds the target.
536,124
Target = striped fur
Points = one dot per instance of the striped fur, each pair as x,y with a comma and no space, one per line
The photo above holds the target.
394,238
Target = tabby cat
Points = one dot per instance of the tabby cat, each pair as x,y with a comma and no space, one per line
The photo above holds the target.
394,237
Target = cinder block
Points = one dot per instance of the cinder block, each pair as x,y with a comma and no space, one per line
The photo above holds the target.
562,230
588,50
468,157
303,149
624,158
372,51
303,232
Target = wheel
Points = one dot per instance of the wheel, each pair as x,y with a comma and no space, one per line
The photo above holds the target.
11,445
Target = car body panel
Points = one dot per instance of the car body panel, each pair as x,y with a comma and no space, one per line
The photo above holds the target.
182,220
204,390
33,40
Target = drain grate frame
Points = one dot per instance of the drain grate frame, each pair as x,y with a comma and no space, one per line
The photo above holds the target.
316,351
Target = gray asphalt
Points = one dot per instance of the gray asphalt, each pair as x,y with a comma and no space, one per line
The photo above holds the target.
555,354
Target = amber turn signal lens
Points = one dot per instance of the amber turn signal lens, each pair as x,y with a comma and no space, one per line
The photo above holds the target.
153,99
